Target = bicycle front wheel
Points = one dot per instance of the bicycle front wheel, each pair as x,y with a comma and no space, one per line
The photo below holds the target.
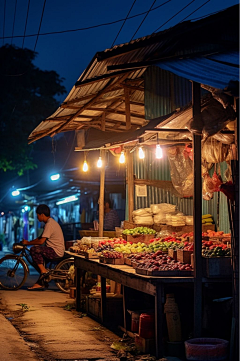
13,272
66,270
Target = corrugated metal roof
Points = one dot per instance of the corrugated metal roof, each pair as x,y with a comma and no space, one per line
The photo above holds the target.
102,84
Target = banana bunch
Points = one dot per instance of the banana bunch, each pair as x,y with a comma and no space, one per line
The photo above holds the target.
207,219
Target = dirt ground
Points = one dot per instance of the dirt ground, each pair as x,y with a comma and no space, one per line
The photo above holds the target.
50,329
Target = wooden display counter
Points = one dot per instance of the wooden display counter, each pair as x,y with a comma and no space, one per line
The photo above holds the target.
129,279
92,233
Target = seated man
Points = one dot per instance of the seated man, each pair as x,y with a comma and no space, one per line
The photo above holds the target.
111,219
54,246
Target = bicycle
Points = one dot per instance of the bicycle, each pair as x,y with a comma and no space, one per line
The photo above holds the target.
14,270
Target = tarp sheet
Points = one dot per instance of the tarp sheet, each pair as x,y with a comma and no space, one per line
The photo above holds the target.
215,70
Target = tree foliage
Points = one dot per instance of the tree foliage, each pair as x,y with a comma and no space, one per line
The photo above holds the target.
27,96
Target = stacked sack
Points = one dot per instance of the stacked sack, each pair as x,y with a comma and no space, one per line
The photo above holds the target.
178,220
162,211
143,216
207,219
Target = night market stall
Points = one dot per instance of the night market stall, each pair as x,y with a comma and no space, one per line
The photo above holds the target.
176,90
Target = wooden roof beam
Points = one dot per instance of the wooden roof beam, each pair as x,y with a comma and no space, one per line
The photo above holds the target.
109,86
116,111
101,78
73,101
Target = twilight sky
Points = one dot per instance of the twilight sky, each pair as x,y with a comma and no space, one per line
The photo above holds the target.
69,53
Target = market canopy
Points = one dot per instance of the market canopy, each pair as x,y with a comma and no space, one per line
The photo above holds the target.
109,95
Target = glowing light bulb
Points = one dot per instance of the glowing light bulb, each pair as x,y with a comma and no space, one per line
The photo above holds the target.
99,162
159,153
122,158
15,193
141,153
85,166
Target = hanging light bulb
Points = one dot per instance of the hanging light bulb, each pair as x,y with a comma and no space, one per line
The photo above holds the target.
122,158
85,166
159,153
141,153
99,162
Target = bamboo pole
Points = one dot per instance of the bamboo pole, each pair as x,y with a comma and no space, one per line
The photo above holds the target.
101,195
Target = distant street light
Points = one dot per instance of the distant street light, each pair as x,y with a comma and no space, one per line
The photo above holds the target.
15,193
55,177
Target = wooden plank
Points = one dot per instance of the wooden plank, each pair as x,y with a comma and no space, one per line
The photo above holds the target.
110,272
130,178
101,195
127,108
197,212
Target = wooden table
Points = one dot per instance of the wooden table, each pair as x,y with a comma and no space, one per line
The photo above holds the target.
126,275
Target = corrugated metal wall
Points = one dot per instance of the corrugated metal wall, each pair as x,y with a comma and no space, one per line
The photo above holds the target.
164,92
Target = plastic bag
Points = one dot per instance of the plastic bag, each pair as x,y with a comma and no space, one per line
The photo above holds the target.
181,171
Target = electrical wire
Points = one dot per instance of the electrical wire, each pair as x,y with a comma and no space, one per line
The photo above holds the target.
14,17
86,28
40,24
4,18
174,16
195,10
123,23
25,28
144,19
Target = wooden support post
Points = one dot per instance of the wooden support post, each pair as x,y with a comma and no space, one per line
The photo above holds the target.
101,195
127,108
130,183
197,212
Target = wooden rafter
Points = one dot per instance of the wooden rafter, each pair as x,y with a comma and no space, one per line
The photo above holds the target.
102,77
108,86
127,108
116,111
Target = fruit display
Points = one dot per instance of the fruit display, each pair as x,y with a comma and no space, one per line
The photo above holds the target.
111,254
138,230
158,261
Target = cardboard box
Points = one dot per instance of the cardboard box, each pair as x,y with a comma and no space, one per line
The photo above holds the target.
145,345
